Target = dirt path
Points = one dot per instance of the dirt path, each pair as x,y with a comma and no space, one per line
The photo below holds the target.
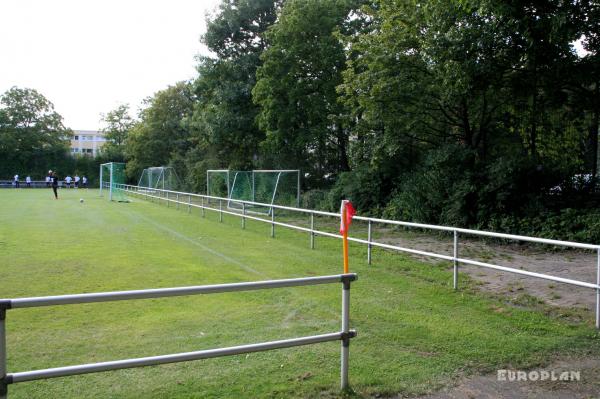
489,386
573,264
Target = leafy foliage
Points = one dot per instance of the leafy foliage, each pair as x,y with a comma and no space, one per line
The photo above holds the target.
118,124
32,135
296,89
161,136
223,123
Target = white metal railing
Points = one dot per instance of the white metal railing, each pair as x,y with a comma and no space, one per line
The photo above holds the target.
185,199
344,335
38,184
23,184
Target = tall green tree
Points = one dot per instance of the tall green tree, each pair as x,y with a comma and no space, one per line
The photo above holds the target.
449,96
296,89
32,134
118,123
160,138
224,120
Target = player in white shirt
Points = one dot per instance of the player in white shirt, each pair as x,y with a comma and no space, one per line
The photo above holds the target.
84,182
28,181
17,185
68,181
76,181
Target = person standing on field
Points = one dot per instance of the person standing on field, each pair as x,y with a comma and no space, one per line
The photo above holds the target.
54,184
17,185
84,182
76,181
28,181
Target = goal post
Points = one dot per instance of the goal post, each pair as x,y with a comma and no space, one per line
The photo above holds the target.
283,186
271,187
218,183
112,174
160,177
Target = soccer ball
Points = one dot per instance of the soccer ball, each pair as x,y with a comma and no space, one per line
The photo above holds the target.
80,199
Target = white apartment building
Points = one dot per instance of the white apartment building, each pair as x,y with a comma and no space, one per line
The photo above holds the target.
87,142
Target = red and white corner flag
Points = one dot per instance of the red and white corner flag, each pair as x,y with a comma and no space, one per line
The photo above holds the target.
350,212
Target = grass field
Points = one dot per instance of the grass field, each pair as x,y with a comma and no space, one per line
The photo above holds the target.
415,334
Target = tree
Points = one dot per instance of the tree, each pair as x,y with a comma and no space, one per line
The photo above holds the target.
450,95
32,134
224,120
118,124
161,136
296,89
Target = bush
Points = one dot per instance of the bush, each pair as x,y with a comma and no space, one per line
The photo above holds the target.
441,191
581,225
314,199
363,186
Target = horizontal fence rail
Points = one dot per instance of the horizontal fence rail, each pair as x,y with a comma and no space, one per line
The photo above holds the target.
180,198
33,184
344,335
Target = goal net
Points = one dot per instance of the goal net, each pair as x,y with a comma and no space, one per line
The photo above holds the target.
271,187
112,176
161,177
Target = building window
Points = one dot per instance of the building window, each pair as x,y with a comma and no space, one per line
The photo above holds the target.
76,138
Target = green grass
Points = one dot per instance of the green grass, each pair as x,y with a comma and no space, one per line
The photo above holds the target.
415,333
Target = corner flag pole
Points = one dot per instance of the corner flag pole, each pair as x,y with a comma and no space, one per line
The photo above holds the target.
347,212
345,240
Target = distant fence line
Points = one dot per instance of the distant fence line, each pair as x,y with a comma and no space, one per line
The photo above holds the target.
36,184
185,199
11,183
344,335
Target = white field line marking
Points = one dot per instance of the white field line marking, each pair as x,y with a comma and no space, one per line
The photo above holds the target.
196,243
307,299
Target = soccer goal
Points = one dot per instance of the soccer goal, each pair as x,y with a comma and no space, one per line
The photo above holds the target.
218,183
273,187
111,175
160,177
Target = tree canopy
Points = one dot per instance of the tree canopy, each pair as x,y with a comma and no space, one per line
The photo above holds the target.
32,134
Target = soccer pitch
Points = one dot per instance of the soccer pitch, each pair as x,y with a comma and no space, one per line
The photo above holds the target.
415,333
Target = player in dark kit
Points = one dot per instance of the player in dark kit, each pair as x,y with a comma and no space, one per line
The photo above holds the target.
54,179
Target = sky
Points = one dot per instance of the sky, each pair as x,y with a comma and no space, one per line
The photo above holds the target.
89,56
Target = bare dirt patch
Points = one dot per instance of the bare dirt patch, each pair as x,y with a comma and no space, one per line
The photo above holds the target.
489,386
520,290
572,264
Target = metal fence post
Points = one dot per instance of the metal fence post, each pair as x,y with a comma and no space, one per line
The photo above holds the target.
312,230
189,204
202,205
369,246
3,384
167,199
346,332
177,201
455,261
220,210
243,215
598,291
272,224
